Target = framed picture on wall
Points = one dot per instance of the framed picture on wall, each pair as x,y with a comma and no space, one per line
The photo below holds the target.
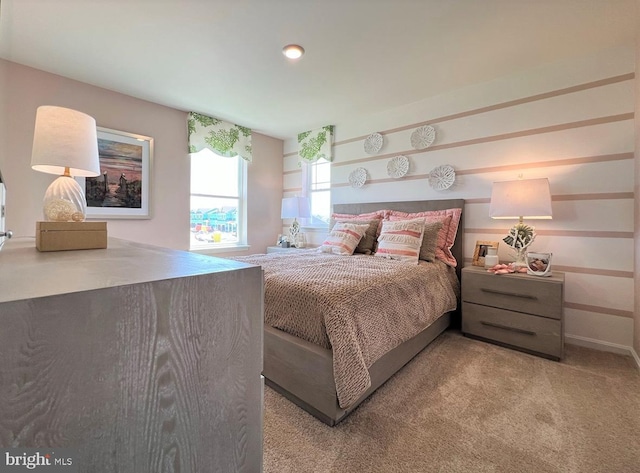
481,251
122,189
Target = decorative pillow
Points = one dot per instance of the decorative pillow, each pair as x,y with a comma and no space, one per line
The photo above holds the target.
430,241
379,214
401,239
447,234
369,239
343,238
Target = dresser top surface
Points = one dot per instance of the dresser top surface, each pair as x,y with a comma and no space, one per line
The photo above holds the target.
26,273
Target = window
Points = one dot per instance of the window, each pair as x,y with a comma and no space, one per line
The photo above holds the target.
316,179
217,200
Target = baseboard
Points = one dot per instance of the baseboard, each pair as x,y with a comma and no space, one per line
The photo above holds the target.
635,356
603,346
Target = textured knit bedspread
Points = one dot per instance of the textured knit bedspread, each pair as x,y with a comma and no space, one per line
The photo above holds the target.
361,307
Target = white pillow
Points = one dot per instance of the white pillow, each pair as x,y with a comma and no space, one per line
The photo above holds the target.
343,238
401,239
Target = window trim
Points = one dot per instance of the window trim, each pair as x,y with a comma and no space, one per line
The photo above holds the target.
308,192
242,242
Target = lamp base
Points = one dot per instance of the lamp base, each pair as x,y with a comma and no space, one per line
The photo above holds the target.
293,232
64,201
521,258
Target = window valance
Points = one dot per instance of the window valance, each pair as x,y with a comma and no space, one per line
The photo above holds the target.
316,144
219,136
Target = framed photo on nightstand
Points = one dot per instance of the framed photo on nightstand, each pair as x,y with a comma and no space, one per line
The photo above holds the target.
481,251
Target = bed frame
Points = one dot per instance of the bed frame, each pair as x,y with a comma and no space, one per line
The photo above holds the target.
303,372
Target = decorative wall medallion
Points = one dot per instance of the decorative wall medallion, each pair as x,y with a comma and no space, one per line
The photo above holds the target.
423,137
442,177
397,167
358,177
373,143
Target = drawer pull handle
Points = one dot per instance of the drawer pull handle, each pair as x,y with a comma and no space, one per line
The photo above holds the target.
505,327
505,293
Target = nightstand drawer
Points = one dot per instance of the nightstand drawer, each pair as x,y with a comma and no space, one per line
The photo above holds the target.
514,292
537,334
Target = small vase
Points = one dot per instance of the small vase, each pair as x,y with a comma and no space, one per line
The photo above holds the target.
491,258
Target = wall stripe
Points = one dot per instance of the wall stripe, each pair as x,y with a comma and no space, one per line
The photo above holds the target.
517,167
511,103
558,233
500,137
567,197
557,162
598,309
594,271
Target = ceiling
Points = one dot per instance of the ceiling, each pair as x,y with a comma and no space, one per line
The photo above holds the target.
223,57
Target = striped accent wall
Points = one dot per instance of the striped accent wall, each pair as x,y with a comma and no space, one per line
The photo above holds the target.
572,123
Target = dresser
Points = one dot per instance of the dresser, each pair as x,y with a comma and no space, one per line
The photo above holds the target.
139,359
515,310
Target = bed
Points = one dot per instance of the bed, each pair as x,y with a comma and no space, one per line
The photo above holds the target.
324,377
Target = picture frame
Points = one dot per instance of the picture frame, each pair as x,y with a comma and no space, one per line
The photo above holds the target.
122,191
481,251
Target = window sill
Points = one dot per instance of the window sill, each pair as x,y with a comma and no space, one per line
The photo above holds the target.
315,229
207,250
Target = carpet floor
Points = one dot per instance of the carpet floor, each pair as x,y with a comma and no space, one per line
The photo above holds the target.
463,405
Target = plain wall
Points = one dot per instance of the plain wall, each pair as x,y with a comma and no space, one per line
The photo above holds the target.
637,192
24,89
571,122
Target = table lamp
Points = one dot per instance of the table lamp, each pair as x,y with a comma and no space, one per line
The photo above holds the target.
65,142
520,199
294,207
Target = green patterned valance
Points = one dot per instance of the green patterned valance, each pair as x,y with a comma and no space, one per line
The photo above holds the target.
316,144
222,137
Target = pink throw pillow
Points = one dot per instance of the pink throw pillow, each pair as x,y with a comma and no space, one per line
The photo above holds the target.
447,234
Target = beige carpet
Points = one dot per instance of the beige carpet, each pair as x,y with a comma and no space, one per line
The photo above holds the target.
467,406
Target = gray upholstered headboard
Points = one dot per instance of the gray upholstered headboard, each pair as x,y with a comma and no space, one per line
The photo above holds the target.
415,206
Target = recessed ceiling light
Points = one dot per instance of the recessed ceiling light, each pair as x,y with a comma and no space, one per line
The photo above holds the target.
293,51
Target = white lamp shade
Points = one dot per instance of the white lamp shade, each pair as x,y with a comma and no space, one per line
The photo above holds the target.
65,138
293,207
524,198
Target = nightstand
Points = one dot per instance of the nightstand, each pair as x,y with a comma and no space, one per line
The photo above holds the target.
515,310
278,249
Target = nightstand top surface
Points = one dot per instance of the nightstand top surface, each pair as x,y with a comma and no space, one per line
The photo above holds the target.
556,276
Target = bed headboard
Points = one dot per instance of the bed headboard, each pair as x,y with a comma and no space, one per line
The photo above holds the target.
415,206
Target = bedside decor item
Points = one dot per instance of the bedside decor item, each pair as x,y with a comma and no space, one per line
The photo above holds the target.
520,199
294,207
442,177
373,143
491,258
539,264
65,142
423,137
301,240
358,177
398,166
481,252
